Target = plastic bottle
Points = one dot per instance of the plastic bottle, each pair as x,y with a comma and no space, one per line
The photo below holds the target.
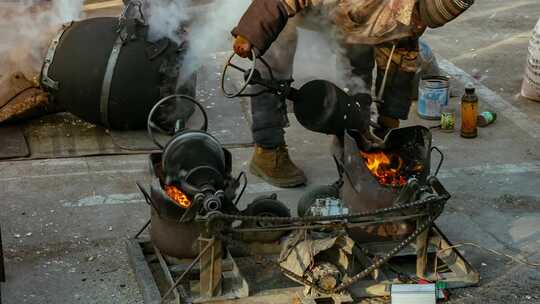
469,113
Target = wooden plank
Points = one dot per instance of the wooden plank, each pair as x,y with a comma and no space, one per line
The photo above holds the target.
167,274
143,274
179,268
462,270
278,296
422,242
211,270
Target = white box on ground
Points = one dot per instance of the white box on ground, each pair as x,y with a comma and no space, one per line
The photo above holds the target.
413,294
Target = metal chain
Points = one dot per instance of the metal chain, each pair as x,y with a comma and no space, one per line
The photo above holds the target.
243,246
308,219
344,285
387,257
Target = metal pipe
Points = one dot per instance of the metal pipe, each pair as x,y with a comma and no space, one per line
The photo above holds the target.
142,229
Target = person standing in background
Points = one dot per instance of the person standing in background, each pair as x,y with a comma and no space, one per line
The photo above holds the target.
374,33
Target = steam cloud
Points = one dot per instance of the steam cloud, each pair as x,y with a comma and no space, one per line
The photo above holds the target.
26,28
207,34
210,33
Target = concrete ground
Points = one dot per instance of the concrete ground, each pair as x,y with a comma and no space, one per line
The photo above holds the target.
490,43
65,221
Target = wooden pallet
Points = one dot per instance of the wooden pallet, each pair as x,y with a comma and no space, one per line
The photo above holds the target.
416,261
142,254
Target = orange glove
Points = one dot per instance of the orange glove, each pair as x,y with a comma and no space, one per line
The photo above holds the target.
242,47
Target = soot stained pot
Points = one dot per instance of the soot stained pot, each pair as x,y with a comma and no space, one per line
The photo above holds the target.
196,160
109,74
361,192
171,237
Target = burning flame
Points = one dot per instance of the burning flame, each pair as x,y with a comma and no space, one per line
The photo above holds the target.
386,168
179,197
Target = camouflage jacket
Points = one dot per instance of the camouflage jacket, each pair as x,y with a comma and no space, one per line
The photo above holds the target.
356,21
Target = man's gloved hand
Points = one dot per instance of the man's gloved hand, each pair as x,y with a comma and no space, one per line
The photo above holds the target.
242,47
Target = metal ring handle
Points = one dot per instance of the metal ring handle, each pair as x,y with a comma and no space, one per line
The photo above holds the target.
246,80
151,126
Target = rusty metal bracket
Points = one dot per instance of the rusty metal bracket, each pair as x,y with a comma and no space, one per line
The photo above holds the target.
46,80
107,79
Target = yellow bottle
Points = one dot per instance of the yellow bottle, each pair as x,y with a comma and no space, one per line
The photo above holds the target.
469,113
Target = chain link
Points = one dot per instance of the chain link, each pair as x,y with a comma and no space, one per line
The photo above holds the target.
307,219
436,200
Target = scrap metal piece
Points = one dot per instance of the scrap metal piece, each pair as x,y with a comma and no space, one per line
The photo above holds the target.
328,207
12,85
414,294
326,275
33,102
23,99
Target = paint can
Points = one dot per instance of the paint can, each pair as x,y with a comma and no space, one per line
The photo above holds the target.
433,96
448,119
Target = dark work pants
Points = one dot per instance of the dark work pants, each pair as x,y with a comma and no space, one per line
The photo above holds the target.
269,113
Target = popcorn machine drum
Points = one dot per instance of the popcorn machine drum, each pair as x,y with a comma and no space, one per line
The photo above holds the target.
105,71
194,159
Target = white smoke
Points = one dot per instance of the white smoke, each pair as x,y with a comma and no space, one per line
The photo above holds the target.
27,26
212,32
26,29
322,55
208,31
165,18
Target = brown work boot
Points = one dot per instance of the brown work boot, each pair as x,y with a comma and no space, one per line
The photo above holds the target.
276,168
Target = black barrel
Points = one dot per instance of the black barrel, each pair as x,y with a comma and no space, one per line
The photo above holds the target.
108,73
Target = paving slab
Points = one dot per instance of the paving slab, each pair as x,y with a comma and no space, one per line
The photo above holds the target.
13,143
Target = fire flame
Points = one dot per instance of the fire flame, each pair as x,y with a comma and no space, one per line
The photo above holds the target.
386,168
179,197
